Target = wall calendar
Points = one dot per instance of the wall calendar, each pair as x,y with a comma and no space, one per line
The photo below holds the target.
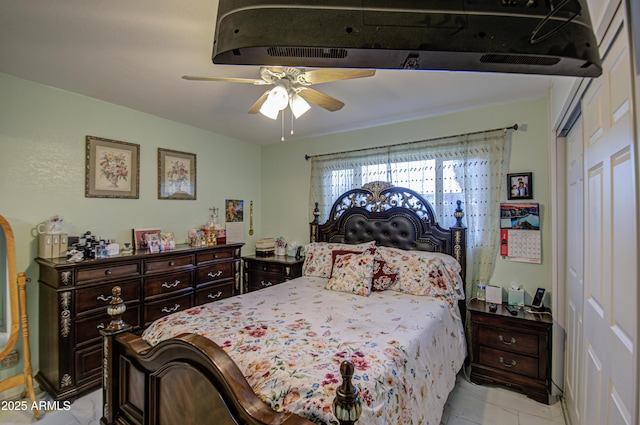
520,232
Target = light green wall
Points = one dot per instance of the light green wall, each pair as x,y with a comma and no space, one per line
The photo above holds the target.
285,178
42,172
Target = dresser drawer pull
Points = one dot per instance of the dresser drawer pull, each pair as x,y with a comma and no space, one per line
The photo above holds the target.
108,272
218,273
263,283
171,310
172,263
214,296
512,364
171,285
501,338
100,326
104,297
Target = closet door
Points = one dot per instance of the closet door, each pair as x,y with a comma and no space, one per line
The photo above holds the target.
574,278
610,294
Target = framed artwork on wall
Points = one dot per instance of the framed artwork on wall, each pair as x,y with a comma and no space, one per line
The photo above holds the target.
176,175
112,169
520,186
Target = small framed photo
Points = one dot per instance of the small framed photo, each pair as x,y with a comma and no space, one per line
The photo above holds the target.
112,169
176,175
142,237
520,186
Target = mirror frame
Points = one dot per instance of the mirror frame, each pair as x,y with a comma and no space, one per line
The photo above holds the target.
12,286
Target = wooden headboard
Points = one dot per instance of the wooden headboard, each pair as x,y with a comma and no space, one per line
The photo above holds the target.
391,216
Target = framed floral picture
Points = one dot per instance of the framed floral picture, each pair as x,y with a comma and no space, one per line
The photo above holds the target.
112,169
176,175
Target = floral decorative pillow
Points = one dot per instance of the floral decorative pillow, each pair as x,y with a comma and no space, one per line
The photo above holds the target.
383,275
407,265
318,260
352,273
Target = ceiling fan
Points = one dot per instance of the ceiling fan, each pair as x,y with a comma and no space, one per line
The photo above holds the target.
292,88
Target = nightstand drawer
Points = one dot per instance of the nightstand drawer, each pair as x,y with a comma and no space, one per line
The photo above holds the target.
265,267
166,283
259,280
508,361
505,339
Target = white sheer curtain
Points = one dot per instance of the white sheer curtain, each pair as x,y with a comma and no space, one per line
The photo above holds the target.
468,167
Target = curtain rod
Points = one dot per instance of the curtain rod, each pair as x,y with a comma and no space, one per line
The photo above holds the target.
513,127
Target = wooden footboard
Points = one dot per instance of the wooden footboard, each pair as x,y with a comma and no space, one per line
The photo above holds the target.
188,380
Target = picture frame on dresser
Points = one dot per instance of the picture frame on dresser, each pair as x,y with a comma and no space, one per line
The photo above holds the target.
112,169
140,238
176,175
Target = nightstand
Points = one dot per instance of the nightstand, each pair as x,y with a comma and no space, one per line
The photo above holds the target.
262,272
511,350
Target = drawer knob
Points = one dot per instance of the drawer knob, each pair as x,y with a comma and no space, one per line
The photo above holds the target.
172,263
170,309
502,340
511,364
212,275
214,296
263,283
104,297
108,272
215,256
168,285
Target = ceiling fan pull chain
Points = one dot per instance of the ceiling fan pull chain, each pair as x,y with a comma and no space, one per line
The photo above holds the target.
292,119
282,138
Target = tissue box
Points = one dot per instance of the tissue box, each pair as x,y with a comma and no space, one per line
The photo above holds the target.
494,294
516,296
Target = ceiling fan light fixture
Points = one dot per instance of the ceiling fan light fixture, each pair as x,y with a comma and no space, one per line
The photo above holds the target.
277,100
298,105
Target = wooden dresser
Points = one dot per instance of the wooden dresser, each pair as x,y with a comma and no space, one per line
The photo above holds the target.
511,350
74,298
262,272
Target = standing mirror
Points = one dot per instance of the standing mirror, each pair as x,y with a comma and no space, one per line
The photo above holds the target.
13,314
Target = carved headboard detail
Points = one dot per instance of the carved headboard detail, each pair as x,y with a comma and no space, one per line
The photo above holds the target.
392,216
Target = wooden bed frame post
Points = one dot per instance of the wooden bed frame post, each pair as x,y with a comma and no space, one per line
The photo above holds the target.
110,378
347,405
313,231
459,234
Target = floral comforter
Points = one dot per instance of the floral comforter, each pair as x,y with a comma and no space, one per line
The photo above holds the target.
290,339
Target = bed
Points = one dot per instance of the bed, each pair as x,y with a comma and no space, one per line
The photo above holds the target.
324,348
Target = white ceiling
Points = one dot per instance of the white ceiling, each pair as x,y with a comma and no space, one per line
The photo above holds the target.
134,53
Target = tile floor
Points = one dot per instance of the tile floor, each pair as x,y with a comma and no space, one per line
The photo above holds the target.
468,404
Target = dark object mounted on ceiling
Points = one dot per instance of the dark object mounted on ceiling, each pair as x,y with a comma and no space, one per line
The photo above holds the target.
552,37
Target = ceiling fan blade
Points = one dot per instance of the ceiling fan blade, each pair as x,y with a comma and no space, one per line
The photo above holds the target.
326,75
322,100
226,79
255,108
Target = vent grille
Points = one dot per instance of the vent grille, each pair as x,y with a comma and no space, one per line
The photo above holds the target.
307,52
519,60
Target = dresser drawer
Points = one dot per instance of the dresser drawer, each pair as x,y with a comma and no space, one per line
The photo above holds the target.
157,309
505,339
166,283
215,271
87,329
508,361
218,254
98,297
214,292
266,267
111,272
168,264
88,363
259,280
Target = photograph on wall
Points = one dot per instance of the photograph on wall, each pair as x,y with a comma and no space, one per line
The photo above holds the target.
520,186
234,210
